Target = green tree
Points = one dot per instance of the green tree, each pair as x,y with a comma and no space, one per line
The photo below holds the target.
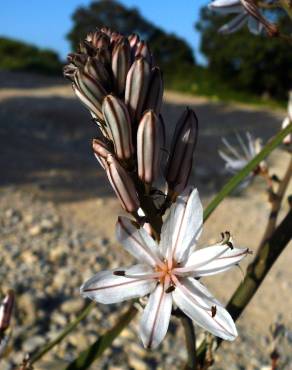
17,55
168,49
256,64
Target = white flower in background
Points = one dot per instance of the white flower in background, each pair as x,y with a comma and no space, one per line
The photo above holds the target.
242,18
287,120
169,272
235,159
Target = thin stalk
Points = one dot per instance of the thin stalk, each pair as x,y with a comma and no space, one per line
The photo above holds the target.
190,337
70,327
87,357
236,180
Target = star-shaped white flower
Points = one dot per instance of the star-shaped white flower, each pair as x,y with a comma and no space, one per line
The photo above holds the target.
169,272
235,160
243,16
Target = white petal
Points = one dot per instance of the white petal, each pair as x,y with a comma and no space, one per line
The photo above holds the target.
137,241
155,319
196,304
234,25
105,287
232,164
254,26
186,217
226,6
215,259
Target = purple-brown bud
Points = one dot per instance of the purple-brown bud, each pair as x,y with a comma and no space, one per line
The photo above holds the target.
6,309
98,72
118,122
148,147
137,87
122,184
90,92
121,61
155,91
142,50
101,151
181,152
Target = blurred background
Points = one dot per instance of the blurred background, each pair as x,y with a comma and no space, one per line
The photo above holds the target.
58,211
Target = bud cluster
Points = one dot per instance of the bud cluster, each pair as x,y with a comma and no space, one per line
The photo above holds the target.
115,78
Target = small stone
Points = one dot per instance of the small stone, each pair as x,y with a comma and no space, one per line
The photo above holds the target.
59,318
72,305
31,344
79,340
35,230
137,364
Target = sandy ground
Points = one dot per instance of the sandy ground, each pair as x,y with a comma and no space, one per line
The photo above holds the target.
45,139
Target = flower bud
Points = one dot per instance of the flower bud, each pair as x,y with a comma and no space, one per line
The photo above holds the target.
118,121
142,50
148,147
6,309
122,184
97,70
121,60
181,152
155,91
133,40
288,139
137,87
101,151
90,92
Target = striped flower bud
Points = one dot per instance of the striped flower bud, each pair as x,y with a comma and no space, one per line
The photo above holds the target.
121,61
148,147
101,151
137,87
142,50
6,309
90,92
97,70
122,184
133,40
181,152
118,121
155,91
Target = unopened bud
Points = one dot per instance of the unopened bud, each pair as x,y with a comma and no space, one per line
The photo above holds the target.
181,153
90,92
155,91
287,139
148,147
6,309
97,70
101,151
142,50
121,60
122,184
137,87
133,40
118,121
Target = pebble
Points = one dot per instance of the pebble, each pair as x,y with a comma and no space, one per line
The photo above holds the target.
72,306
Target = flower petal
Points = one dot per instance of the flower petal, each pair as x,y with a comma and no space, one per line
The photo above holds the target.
137,242
215,259
196,303
105,287
234,25
155,319
254,26
226,6
184,224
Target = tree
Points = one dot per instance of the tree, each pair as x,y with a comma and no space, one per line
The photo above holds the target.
257,64
168,49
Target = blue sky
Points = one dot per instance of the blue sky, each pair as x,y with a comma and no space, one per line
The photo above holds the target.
45,23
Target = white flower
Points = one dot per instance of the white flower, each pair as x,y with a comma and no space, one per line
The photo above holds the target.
287,120
169,272
243,16
235,160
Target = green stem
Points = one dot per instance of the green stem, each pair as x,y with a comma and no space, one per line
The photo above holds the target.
190,338
236,180
63,334
87,357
